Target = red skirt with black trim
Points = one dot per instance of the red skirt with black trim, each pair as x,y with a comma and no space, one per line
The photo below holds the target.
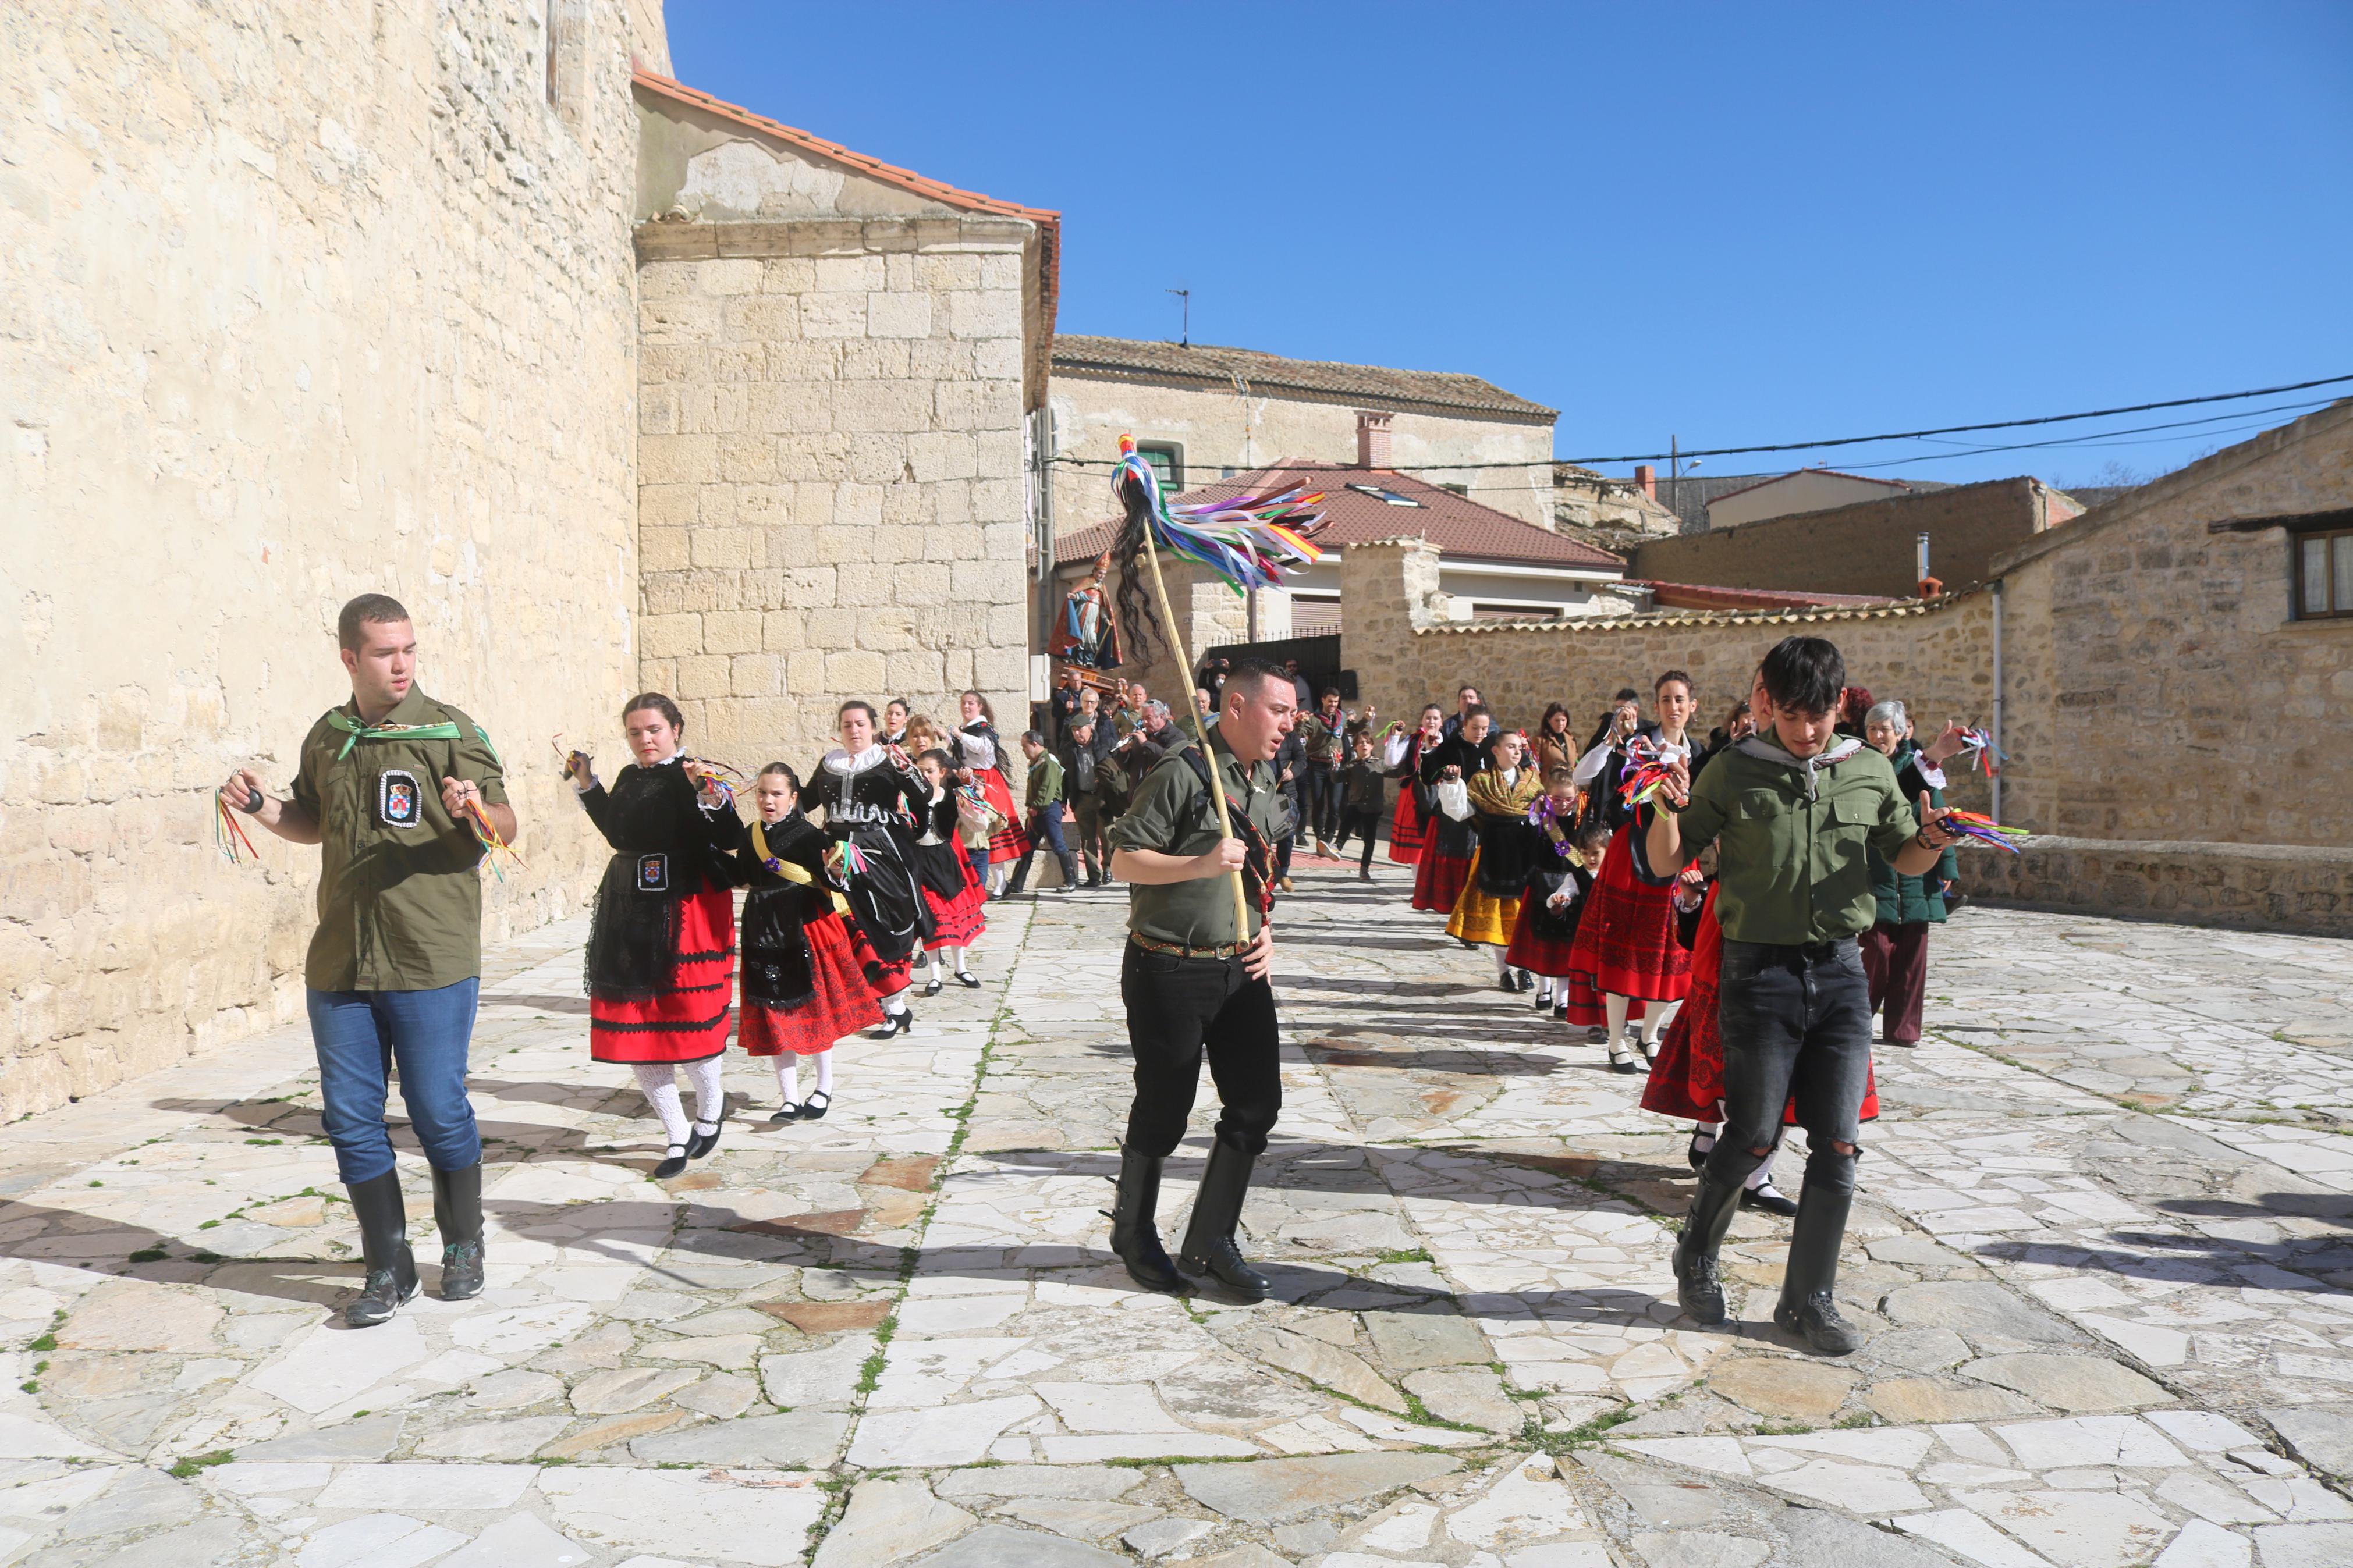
1537,954
843,1004
1687,1080
958,921
688,1023
1437,880
1584,1006
882,978
1011,841
1626,942
1406,835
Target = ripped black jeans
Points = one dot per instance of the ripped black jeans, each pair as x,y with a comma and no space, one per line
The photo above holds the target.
1796,1023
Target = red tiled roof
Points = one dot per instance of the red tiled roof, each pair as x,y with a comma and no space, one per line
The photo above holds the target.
1707,596
1048,222
1457,525
1793,473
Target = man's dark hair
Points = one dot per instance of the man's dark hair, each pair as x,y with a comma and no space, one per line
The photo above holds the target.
1626,694
367,610
654,702
1250,677
1805,675
1031,738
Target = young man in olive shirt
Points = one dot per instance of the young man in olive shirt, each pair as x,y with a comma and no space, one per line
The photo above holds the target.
384,787
1791,809
1192,982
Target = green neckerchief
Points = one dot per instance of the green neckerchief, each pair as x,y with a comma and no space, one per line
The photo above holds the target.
356,731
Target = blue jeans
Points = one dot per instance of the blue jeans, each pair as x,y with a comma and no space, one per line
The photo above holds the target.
360,1035
1795,1021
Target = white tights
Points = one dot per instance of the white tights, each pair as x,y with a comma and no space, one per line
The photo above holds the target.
658,1082
955,961
788,1075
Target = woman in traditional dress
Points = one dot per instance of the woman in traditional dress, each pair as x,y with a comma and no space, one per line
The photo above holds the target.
871,793
1626,946
957,903
895,718
1489,905
803,986
1445,863
1409,828
980,760
660,977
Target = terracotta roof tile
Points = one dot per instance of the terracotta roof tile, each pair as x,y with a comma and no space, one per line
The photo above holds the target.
1048,222
1458,526
1376,384
1709,597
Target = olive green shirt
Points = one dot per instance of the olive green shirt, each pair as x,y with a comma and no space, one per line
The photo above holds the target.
400,902
1044,787
1172,815
1791,870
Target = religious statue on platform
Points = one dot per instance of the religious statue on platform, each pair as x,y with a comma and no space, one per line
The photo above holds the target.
1086,634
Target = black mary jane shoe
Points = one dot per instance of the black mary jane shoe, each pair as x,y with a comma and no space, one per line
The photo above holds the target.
673,1163
1623,1060
1544,1002
969,981
811,1110
1768,1197
698,1143
931,988
787,1111
1697,1156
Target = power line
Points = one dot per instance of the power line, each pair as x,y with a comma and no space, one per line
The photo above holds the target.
1853,440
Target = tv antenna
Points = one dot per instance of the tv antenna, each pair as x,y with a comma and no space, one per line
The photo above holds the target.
1185,333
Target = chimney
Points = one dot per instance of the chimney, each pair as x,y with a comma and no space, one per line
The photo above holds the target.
1646,477
1372,439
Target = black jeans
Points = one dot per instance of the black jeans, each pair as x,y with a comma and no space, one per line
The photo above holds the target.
1365,825
1794,1020
1175,1008
1326,789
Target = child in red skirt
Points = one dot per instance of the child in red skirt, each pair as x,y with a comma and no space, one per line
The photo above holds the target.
804,983
954,898
1557,884
1410,829
1687,1080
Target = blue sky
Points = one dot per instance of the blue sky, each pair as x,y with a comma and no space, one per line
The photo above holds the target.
1730,224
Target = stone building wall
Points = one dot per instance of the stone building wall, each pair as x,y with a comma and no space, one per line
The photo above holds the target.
831,482
1869,547
1222,429
303,301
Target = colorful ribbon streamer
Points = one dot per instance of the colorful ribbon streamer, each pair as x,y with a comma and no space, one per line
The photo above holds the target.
228,834
489,834
1645,774
1245,539
1986,830
1977,747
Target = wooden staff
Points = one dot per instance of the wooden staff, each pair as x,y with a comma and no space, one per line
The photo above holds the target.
1201,730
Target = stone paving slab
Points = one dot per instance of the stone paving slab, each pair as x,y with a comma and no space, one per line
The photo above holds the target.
2101,1255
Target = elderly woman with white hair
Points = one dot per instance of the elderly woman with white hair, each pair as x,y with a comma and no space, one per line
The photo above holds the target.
1895,949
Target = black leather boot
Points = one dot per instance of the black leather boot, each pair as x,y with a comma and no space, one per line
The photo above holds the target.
1809,1305
1698,1287
458,1215
1135,1234
1209,1248
383,1242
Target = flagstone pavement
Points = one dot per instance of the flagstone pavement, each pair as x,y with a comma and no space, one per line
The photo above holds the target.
2104,1254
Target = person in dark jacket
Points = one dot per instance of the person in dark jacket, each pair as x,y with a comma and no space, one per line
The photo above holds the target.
1080,754
1895,949
1363,786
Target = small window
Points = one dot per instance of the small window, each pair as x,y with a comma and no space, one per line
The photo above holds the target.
1167,460
1378,494
2324,575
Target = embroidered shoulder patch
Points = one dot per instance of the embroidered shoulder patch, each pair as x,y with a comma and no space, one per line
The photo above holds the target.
399,800
653,873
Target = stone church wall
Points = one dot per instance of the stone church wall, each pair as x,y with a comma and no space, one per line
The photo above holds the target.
303,301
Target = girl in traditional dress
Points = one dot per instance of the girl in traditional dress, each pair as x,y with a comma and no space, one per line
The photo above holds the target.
1445,863
951,891
660,978
869,792
1410,829
804,987
980,760
1558,880
1626,946
1489,905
